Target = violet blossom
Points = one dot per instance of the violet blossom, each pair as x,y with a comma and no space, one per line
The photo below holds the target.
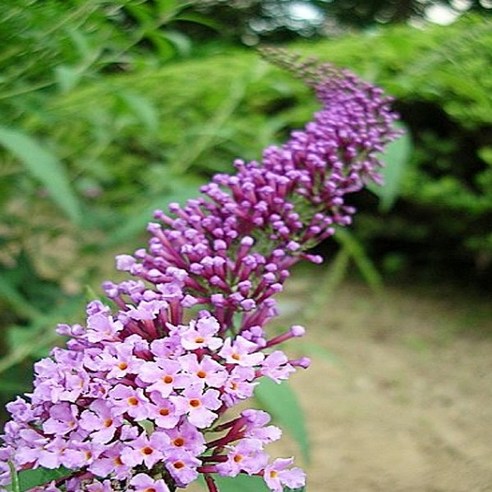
138,399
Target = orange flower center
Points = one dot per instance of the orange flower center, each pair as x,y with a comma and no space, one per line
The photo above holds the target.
236,356
164,412
238,458
195,403
133,401
108,422
147,450
199,340
168,379
178,465
201,374
123,366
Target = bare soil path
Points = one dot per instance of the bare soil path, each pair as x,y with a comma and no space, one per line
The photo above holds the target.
407,404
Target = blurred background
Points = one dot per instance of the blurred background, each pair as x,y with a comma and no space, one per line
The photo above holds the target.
111,109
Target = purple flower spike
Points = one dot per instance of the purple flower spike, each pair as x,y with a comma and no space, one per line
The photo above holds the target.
140,398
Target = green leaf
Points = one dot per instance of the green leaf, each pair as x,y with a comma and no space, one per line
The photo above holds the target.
183,189
395,157
81,42
241,483
16,300
245,483
327,283
315,350
282,403
200,19
142,108
12,387
45,167
39,335
67,77
181,42
358,253
28,479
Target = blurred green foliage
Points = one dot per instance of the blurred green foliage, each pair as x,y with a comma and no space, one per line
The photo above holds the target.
443,85
109,112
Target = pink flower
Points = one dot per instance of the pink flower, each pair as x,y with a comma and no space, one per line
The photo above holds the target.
101,326
162,411
241,352
143,483
58,453
100,487
239,385
119,360
247,456
186,437
183,467
146,310
63,419
125,399
206,371
276,366
278,475
30,446
162,376
111,463
198,405
200,334
145,450
100,421
256,427
21,410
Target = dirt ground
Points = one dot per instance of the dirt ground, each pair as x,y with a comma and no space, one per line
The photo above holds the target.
406,403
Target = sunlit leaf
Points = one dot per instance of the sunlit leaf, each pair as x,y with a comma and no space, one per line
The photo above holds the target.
181,42
245,483
395,157
359,255
282,404
241,483
142,108
45,167
67,77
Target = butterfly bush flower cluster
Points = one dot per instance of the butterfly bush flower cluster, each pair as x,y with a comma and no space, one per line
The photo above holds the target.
139,399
